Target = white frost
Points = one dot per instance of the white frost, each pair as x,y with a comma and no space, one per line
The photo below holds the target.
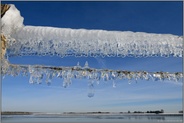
32,40
12,21
37,40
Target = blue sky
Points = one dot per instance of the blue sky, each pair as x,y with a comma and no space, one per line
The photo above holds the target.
151,17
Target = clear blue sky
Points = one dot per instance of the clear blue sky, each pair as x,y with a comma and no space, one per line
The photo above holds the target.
151,17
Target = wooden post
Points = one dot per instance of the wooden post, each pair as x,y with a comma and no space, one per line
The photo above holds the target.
4,9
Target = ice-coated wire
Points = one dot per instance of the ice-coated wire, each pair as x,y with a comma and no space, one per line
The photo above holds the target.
37,72
37,40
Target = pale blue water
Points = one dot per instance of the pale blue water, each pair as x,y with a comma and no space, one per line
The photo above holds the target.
91,119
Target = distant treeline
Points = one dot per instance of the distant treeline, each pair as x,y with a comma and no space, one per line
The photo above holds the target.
99,112
180,111
156,112
15,113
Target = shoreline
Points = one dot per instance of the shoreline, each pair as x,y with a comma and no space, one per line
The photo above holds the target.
91,114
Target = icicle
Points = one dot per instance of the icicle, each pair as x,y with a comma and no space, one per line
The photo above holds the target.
66,83
59,74
146,76
113,75
129,82
31,70
78,66
31,80
113,84
67,75
86,65
105,75
37,73
91,89
48,77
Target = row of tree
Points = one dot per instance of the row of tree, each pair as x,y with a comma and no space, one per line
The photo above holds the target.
156,112
15,113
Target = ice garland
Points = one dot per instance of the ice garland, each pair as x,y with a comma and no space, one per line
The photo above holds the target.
38,72
37,40
32,40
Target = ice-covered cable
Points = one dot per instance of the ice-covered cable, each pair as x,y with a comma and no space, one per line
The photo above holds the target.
37,72
32,40
37,40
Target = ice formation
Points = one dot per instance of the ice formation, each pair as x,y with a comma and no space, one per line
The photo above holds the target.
38,72
94,76
37,40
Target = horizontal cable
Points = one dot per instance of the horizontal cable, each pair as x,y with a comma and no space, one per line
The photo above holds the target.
37,72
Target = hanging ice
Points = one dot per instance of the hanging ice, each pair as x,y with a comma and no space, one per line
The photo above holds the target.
67,73
36,75
86,65
91,89
114,84
37,40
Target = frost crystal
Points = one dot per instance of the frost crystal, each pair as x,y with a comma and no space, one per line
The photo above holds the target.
37,40
63,42
37,73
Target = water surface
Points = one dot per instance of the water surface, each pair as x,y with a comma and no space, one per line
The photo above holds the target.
91,118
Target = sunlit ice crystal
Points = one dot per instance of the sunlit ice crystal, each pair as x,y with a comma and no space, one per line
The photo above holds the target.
77,66
67,76
66,82
143,75
36,74
50,74
95,75
158,76
59,74
128,75
113,75
105,75
86,65
146,75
